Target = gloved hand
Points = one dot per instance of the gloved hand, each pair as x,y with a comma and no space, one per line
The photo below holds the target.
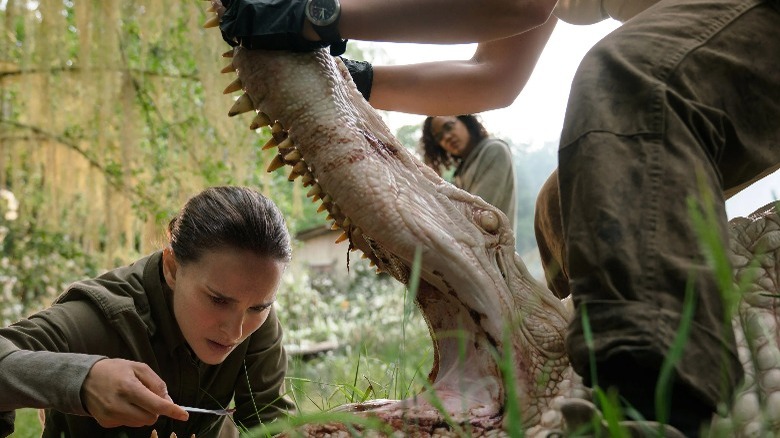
269,24
362,75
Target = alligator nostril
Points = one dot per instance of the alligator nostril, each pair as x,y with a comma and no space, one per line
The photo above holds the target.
488,221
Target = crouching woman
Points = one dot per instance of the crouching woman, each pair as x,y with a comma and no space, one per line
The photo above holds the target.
190,325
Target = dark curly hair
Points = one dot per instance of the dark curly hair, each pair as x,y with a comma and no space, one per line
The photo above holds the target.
434,155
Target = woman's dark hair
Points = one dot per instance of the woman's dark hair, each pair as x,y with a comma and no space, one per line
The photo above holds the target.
229,217
434,155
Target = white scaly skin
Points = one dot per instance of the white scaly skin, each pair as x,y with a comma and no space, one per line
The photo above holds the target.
475,286
754,254
389,204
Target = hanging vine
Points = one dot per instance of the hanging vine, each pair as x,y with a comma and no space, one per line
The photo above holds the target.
111,115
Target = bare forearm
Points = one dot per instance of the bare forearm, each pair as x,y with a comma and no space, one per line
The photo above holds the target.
491,79
440,21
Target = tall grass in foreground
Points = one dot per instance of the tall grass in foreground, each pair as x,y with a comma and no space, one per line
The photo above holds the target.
385,350
705,223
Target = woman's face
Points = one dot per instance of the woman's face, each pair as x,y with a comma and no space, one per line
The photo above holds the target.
452,135
222,298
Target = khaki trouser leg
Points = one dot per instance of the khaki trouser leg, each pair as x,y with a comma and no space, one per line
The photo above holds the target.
680,103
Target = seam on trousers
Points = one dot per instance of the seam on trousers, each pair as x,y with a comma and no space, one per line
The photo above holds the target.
655,174
717,25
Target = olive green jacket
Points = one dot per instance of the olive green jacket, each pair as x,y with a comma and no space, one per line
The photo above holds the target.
126,314
488,172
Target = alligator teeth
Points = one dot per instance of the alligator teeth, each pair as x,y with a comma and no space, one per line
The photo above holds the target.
276,163
308,179
301,167
276,128
211,9
212,22
314,191
242,105
335,226
327,199
261,120
363,255
228,54
294,156
342,238
230,68
297,170
234,86
322,208
346,222
271,143
286,144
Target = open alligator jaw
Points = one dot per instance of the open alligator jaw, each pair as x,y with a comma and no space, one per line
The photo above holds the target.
476,296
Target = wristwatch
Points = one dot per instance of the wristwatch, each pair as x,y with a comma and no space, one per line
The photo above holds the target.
324,17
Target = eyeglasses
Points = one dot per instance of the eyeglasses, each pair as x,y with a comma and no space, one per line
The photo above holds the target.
445,128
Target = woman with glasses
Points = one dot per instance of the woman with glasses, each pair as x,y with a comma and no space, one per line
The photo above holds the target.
483,164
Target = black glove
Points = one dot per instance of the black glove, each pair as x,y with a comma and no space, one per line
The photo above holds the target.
267,24
362,75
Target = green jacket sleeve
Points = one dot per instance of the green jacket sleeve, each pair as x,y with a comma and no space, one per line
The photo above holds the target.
44,359
259,393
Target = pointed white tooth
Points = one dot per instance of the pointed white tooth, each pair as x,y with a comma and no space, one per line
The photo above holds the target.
322,208
342,238
277,128
275,163
271,143
261,120
228,68
335,226
301,167
294,156
211,22
314,191
233,86
286,143
293,174
228,54
242,105
308,178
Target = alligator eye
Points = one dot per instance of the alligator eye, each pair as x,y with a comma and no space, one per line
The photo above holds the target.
488,221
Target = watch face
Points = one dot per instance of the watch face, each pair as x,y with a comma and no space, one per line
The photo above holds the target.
322,12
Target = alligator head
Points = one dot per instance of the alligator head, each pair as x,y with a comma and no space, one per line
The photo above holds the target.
478,300
497,333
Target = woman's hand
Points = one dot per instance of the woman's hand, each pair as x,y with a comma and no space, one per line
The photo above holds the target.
120,392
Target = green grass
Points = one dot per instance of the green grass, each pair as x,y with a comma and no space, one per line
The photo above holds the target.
389,357
27,424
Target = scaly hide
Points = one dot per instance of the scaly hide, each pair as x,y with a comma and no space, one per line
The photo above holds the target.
482,307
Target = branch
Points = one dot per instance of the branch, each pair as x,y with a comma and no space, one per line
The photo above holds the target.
112,180
65,69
